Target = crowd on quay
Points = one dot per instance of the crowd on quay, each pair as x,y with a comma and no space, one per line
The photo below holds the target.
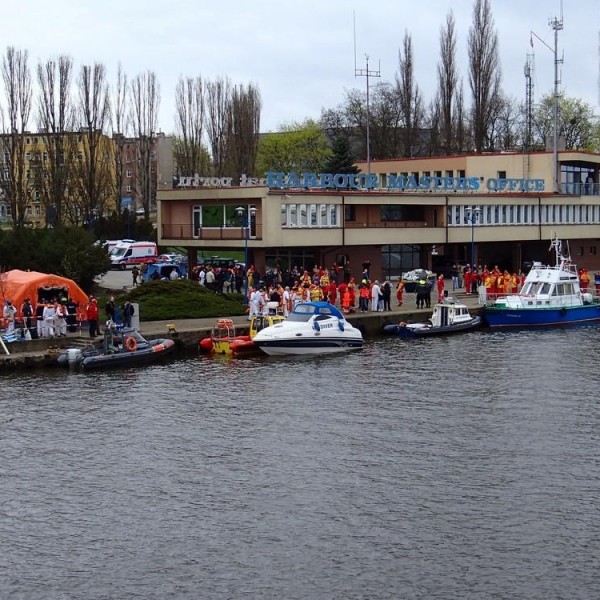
498,282
281,290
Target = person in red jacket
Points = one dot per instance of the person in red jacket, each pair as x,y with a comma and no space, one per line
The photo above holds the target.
468,280
92,317
332,292
440,288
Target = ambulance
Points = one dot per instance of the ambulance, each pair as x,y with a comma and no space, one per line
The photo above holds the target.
132,253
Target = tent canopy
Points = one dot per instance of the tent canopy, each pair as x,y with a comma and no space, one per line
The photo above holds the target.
17,285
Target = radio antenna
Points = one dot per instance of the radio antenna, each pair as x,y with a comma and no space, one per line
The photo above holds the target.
367,73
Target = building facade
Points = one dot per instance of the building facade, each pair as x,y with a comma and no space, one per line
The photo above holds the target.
44,167
396,215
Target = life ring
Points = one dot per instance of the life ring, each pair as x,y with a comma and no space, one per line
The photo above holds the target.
131,344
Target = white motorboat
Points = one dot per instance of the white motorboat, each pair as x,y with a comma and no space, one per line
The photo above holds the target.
311,328
447,317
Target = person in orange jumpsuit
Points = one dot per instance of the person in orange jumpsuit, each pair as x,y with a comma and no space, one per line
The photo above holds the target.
440,288
584,280
341,290
332,292
345,299
514,280
468,280
352,289
400,292
507,282
499,284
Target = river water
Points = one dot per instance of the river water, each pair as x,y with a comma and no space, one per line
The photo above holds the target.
464,467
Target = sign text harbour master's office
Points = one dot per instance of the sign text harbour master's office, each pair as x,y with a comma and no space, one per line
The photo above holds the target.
372,181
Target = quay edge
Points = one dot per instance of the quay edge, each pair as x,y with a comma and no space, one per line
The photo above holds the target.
43,353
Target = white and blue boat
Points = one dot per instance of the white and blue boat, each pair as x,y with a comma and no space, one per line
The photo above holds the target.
551,295
311,328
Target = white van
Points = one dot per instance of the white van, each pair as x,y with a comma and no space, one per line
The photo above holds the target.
132,253
108,245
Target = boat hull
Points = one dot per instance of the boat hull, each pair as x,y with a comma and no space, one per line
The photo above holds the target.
275,347
502,317
414,332
156,350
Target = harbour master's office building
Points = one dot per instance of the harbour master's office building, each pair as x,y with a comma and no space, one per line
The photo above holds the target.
396,215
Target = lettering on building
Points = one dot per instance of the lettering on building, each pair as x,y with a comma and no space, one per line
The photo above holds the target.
398,183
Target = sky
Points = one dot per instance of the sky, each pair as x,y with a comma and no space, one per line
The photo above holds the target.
302,54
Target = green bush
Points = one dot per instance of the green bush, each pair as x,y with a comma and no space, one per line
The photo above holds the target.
182,299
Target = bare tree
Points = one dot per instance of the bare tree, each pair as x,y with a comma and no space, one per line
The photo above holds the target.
218,101
55,152
119,132
447,83
244,129
14,183
459,126
484,72
94,160
145,102
409,96
190,153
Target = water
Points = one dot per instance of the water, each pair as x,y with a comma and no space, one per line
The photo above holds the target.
463,468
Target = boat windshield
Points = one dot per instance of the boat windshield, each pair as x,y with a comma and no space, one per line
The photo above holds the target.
301,313
537,288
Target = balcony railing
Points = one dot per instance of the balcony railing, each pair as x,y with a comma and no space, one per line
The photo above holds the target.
186,231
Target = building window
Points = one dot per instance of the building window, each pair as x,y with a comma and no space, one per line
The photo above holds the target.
593,250
128,173
128,188
392,212
349,213
501,174
580,251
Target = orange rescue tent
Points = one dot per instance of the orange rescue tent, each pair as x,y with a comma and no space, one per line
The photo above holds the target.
17,285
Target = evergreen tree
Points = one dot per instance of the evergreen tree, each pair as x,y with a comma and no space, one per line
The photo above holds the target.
342,160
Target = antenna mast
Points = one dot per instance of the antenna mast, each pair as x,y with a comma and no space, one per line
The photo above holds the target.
557,25
366,73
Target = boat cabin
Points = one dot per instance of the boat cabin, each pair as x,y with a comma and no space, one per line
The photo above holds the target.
449,313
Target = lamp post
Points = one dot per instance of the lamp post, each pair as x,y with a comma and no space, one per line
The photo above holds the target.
245,217
472,214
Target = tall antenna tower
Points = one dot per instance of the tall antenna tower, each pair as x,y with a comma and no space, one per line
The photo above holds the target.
557,25
366,72
529,99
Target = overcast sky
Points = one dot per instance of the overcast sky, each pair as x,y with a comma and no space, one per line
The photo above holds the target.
300,54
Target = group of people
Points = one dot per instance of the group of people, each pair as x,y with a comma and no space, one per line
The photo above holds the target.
52,318
349,296
114,314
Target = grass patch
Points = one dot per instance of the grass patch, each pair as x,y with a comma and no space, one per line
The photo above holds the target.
182,299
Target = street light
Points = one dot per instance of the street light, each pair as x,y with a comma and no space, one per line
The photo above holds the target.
245,218
472,215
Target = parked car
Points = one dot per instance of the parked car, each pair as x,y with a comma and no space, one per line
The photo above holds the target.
174,257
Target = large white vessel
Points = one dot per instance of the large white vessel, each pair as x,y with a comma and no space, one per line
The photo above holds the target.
311,328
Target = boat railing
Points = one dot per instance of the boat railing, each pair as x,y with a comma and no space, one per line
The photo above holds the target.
223,329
